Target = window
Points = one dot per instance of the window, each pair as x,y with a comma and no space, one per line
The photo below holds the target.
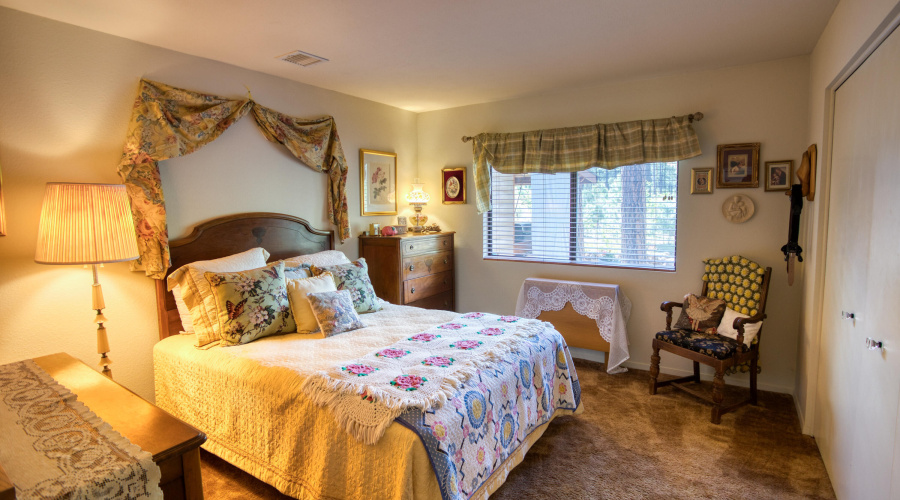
621,217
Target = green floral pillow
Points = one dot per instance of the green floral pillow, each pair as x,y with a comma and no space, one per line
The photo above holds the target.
334,312
251,304
353,277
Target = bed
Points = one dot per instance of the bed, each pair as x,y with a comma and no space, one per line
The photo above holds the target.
253,401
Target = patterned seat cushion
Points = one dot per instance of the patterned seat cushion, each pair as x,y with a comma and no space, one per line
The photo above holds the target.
713,345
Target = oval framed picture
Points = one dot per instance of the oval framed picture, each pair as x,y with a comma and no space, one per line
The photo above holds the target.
454,185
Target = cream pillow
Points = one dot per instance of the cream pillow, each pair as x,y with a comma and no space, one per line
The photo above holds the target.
196,292
726,326
297,290
324,258
187,325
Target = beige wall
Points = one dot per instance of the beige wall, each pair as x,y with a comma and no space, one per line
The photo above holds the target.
766,103
67,96
851,25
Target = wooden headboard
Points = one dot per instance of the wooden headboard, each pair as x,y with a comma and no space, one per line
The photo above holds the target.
281,235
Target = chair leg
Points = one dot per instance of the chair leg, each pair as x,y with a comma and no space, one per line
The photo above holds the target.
718,395
654,370
696,372
753,369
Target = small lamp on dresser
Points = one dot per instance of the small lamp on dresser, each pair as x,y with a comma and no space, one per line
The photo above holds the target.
87,224
418,198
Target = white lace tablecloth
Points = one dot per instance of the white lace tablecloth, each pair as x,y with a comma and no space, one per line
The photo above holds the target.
605,304
53,446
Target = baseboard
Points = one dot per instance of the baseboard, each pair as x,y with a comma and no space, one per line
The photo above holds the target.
709,377
800,415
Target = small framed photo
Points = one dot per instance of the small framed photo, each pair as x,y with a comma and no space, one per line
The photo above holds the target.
454,185
377,182
738,165
701,181
779,175
401,221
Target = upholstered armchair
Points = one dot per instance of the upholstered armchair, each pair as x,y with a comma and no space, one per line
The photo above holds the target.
720,328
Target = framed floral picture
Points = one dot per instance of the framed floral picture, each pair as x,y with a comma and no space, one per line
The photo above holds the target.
779,175
454,185
377,182
701,181
738,165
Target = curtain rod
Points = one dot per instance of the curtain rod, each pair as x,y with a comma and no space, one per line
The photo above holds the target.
693,117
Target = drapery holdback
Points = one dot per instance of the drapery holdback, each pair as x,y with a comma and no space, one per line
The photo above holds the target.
250,96
693,117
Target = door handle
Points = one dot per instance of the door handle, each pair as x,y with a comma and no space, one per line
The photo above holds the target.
874,345
847,315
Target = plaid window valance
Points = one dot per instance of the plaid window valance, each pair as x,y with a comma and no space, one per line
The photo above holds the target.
574,149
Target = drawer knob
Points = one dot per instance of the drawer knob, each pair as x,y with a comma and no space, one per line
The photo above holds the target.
411,267
411,247
412,290
445,242
445,261
445,282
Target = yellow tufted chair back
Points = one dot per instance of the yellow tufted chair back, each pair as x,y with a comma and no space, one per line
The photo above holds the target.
737,280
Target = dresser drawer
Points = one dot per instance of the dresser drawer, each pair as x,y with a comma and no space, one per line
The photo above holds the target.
423,244
442,301
425,264
426,286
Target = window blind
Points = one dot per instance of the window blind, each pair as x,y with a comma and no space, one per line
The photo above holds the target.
620,217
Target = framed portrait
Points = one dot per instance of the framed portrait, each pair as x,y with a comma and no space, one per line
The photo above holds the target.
779,175
738,165
453,181
701,181
377,182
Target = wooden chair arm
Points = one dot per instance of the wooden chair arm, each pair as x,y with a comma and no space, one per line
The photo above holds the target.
667,307
739,326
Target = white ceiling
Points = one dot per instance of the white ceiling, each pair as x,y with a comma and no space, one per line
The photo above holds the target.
423,55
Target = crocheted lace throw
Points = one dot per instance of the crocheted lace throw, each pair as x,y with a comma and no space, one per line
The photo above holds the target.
421,371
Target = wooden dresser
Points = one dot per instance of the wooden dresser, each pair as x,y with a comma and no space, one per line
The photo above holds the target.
412,270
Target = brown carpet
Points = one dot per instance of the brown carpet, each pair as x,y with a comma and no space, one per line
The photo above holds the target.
628,444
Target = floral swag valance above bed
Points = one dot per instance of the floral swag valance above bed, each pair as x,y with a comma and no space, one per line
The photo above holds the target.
168,122
573,149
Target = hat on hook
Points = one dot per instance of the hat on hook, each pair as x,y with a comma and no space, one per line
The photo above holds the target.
807,173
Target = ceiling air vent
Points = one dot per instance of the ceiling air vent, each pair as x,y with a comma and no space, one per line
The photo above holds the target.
301,58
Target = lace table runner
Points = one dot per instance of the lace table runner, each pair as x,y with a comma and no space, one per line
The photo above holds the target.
53,446
605,304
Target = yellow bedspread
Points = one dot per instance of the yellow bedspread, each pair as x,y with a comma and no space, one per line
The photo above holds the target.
248,402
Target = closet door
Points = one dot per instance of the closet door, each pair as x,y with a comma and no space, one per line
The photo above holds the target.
859,388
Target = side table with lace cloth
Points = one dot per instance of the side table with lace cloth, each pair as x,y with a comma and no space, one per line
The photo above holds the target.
605,304
53,446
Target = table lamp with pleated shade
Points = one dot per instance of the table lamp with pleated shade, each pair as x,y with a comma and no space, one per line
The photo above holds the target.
87,224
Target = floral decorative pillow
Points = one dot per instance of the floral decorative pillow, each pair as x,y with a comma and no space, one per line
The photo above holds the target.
199,298
701,314
353,277
295,271
334,312
251,304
